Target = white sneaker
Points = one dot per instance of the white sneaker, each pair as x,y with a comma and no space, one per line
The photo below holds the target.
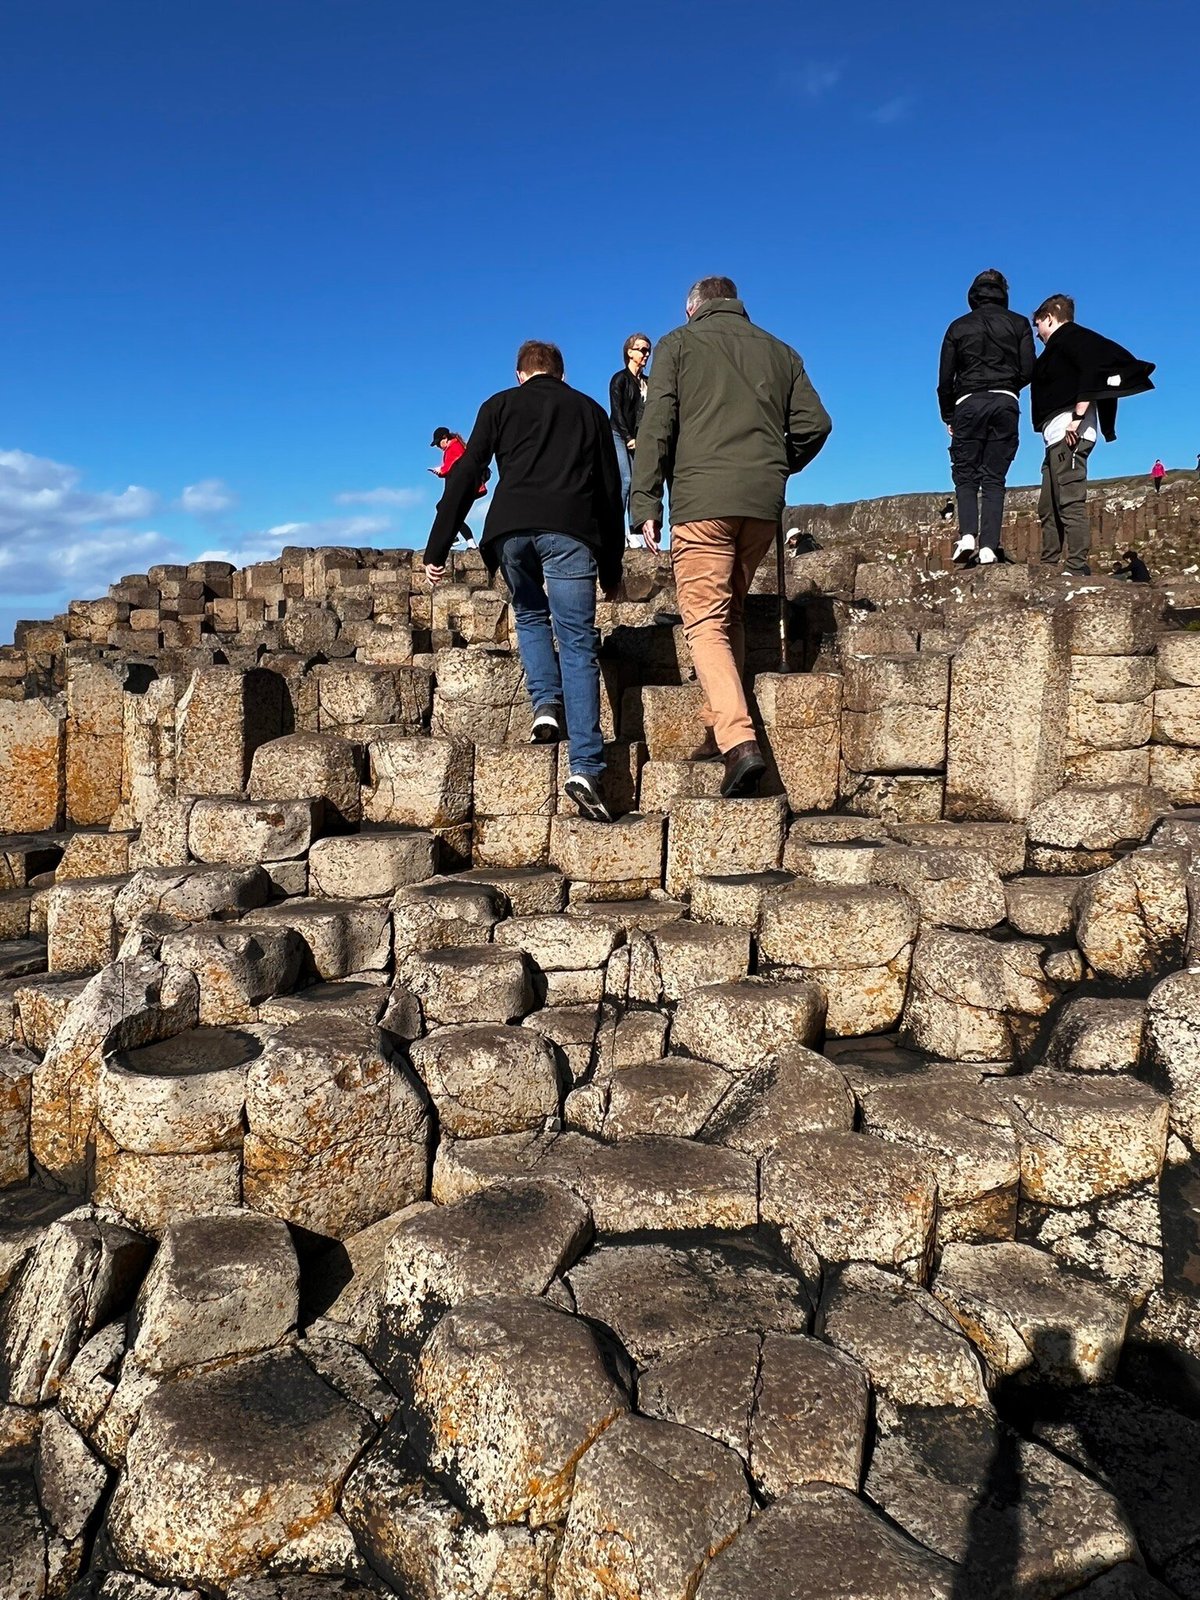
964,548
586,796
986,557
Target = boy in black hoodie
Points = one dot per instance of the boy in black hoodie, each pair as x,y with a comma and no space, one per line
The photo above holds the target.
1078,379
987,359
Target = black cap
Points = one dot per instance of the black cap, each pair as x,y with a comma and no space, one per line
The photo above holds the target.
440,433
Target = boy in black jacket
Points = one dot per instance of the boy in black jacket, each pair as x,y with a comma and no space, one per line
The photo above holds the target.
987,359
1077,381
555,525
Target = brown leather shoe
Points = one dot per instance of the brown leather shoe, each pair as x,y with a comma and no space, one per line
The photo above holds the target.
744,766
707,749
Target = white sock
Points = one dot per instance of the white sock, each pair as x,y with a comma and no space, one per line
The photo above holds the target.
986,557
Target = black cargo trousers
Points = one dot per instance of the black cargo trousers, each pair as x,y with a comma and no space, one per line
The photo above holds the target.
986,433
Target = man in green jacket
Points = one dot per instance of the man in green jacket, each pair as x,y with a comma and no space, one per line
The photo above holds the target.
729,415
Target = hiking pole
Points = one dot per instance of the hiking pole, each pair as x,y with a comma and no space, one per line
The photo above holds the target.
781,587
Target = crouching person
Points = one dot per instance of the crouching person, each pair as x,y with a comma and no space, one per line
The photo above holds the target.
555,527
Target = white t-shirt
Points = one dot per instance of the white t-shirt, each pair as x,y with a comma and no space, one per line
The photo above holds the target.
1055,430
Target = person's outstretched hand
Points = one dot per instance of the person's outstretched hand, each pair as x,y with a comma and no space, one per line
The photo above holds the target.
652,536
434,574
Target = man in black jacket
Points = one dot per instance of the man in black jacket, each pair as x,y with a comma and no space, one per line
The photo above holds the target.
987,359
555,524
1078,379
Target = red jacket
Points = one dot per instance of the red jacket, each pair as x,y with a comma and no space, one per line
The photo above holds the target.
1158,470
449,456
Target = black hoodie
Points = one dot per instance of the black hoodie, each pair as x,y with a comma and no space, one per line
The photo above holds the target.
990,348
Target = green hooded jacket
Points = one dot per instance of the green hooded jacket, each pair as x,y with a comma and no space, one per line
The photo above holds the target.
730,413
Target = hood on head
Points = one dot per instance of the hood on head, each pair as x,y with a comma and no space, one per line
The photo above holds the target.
989,289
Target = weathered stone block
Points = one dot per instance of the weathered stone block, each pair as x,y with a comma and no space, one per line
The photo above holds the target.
952,888
621,1529
560,943
1023,1310
1084,1138
894,797
670,722
706,836
16,1091
894,713
237,966
510,1393
310,765
1007,719
191,894
242,831
418,782
127,1004
361,866
662,783
220,1287
692,954
480,696
222,1428
80,924
340,936
1118,620
801,714
597,852
1178,660
1177,717
31,765
856,943
478,983
1096,819
94,740
488,1080
512,1238
1132,918
854,1198
965,991
1176,772
966,1137
515,780
338,1131
225,715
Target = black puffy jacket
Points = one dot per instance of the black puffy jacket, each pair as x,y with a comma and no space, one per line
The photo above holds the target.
989,348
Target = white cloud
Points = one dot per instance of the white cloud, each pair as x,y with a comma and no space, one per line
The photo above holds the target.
264,544
894,110
208,498
61,542
815,79
404,499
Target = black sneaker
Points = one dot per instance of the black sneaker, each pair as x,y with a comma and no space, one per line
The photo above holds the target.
587,797
547,723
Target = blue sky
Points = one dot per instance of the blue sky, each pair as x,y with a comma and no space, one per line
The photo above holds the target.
257,249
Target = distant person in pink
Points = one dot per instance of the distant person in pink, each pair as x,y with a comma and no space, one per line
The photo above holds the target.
1158,472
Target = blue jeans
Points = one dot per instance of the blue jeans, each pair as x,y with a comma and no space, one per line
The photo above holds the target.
553,582
625,466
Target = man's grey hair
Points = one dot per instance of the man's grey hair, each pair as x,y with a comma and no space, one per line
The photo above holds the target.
710,289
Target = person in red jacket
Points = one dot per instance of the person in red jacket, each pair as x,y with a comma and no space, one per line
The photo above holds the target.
452,446
1158,472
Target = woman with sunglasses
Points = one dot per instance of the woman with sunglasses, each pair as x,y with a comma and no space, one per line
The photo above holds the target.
626,402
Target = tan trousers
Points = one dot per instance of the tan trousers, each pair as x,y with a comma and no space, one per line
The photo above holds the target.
714,564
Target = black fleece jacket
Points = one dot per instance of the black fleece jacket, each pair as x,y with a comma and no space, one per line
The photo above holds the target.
1078,364
558,474
625,403
988,348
